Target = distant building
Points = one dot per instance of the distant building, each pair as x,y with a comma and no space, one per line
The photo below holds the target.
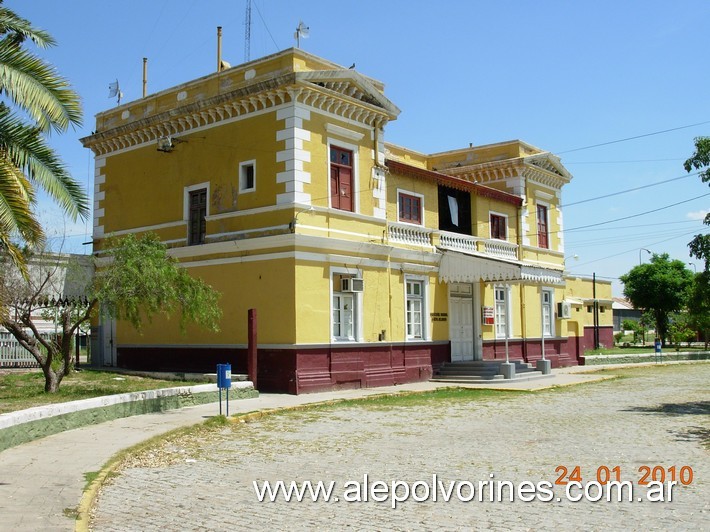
368,263
54,280
624,310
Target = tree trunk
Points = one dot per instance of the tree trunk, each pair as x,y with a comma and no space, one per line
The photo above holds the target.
51,380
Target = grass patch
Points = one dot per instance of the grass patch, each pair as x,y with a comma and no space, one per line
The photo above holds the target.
646,350
89,478
20,390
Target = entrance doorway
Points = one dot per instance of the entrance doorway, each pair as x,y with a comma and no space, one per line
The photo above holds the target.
463,327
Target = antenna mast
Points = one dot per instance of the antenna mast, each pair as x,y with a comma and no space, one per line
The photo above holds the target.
247,32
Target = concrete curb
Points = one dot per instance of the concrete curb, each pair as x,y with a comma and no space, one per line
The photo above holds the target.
637,358
26,425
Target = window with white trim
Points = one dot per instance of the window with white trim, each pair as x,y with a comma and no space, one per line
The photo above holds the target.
247,176
547,308
410,208
499,226
543,235
416,309
502,314
197,210
343,316
346,308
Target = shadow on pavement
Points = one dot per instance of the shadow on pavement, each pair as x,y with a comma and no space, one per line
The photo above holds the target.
675,409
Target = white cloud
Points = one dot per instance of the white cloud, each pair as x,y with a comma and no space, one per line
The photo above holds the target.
696,215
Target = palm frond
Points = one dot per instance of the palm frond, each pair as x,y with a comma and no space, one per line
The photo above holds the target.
29,152
36,87
13,25
16,198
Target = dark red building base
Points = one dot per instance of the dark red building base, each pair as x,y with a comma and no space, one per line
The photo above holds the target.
315,369
561,352
301,370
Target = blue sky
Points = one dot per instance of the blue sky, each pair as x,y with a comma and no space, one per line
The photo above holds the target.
560,75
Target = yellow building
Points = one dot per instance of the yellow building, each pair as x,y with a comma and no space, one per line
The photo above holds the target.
369,264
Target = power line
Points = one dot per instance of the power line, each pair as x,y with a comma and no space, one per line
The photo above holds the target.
634,249
639,214
640,225
265,26
630,190
567,163
632,138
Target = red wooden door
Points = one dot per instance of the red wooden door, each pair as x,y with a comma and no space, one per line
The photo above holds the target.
341,179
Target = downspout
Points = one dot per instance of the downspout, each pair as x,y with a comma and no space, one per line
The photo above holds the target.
519,224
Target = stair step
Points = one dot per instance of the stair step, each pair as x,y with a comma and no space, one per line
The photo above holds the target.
484,371
466,378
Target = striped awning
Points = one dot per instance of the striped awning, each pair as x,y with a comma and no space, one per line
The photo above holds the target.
457,267
535,274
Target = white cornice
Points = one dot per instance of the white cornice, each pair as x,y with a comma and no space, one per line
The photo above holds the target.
341,98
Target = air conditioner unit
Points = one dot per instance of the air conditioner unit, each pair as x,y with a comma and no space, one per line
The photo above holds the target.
564,310
351,284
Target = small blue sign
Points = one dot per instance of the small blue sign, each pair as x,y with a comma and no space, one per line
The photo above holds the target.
657,345
224,376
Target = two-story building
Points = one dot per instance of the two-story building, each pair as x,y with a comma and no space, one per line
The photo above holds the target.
368,263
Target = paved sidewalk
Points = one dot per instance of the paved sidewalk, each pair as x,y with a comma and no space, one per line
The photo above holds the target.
41,482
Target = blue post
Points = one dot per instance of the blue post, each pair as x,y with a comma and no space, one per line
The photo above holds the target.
224,381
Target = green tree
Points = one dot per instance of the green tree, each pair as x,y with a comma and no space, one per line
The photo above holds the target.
43,103
136,281
700,245
660,287
699,305
633,326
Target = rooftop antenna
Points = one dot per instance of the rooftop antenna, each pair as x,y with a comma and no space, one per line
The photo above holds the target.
302,31
115,90
145,76
247,32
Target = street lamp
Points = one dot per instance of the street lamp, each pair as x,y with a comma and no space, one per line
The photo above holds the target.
643,249
575,257
694,266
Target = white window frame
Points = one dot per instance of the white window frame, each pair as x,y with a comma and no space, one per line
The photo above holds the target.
490,226
243,189
186,199
354,148
357,301
547,224
421,202
424,307
507,311
551,306
186,206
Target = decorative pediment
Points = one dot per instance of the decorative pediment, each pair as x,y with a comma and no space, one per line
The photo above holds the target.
352,85
547,168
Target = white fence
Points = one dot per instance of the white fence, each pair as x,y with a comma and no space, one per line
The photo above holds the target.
13,355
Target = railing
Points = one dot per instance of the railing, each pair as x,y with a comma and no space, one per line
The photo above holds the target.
13,355
458,242
501,248
465,243
421,236
409,234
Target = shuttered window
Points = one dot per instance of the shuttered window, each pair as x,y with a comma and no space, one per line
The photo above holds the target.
197,213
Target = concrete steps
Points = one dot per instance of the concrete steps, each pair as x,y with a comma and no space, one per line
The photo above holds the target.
483,371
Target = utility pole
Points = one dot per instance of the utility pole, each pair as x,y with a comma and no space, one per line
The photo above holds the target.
596,311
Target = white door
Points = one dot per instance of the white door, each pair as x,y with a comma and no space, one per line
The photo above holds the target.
461,329
108,344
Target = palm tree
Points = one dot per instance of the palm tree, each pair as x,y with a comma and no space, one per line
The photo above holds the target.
37,102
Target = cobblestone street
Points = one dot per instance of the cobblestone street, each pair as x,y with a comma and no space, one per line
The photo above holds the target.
656,416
